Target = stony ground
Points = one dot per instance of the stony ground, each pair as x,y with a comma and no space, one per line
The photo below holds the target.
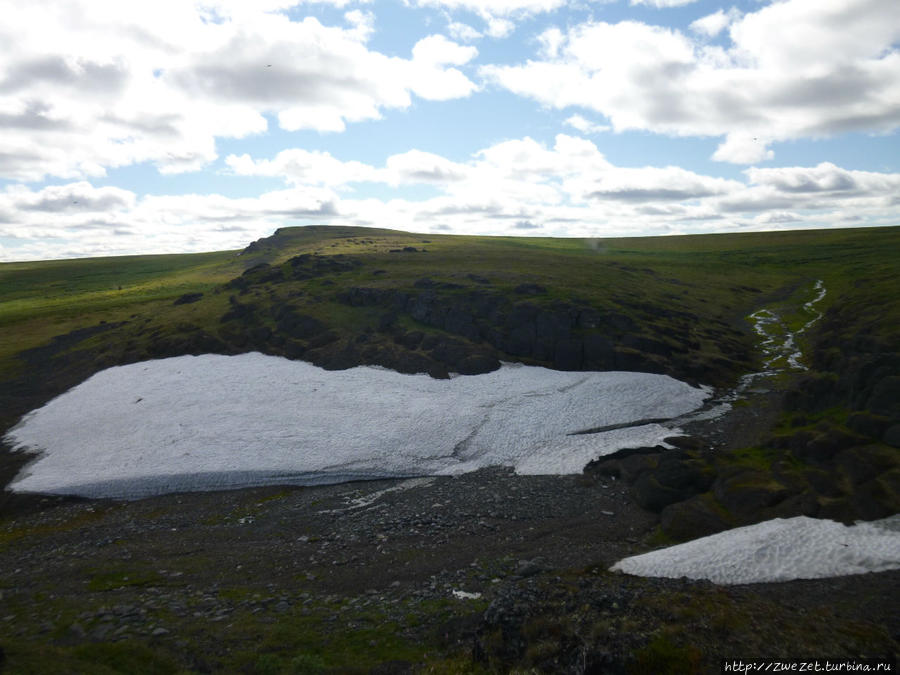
485,571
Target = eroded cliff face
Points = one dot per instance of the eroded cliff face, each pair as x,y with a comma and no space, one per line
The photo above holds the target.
440,327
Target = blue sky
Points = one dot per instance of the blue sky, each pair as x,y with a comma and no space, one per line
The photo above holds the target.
179,126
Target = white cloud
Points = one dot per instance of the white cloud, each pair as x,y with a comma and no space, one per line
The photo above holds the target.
73,198
438,50
487,8
107,85
463,32
824,178
651,184
499,28
303,167
499,16
659,4
416,166
551,40
363,23
518,186
585,126
794,69
713,24
742,148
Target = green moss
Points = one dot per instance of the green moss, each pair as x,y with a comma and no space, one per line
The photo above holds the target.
13,533
662,656
121,658
112,579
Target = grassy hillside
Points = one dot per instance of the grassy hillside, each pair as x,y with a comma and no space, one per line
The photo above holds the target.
428,302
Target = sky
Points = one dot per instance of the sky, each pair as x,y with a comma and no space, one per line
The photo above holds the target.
181,126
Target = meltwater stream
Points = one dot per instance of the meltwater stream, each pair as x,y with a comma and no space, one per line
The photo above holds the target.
780,353
779,344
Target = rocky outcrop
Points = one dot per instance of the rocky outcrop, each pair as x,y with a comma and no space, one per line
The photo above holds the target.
562,335
187,298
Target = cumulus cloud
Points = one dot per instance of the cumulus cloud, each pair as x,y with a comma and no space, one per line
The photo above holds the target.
417,166
463,32
657,184
488,8
743,148
499,16
713,24
73,198
793,69
824,178
303,167
518,186
662,3
161,82
585,126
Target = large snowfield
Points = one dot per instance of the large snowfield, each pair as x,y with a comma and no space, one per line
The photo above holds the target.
212,421
782,549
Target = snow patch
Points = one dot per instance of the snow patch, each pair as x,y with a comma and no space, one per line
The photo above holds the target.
777,550
464,595
214,422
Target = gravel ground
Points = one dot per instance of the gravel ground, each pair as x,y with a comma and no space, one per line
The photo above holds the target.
506,570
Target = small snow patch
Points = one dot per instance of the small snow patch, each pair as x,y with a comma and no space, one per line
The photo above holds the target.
776,550
463,595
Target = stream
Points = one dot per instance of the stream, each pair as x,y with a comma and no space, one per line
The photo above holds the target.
781,353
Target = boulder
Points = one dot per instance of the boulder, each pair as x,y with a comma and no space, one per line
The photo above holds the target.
676,477
682,471
745,492
874,500
450,352
652,495
802,504
632,466
693,518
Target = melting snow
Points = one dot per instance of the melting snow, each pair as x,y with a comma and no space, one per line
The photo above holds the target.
777,550
211,421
